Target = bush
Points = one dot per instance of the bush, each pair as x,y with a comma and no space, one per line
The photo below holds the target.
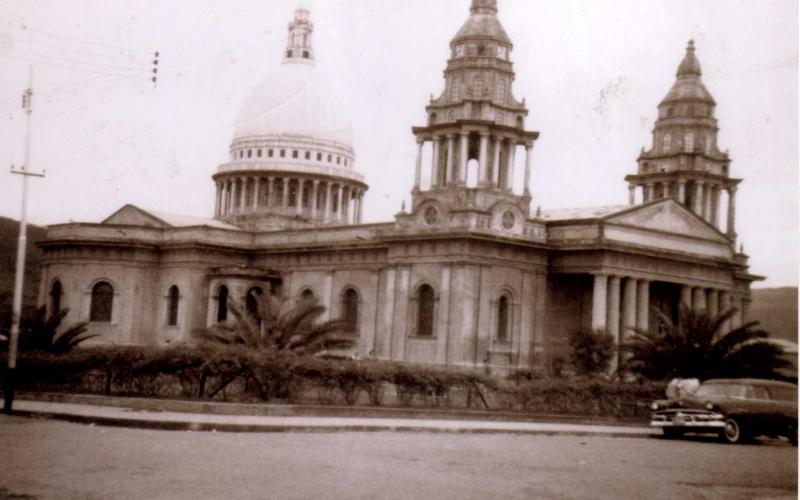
592,351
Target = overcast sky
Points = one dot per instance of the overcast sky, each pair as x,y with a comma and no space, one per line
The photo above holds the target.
592,73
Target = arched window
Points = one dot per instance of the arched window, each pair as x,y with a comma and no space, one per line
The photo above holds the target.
426,300
520,122
689,142
251,302
55,297
503,318
455,90
222,303
173,298
307,295
350,309
666,142
501,91
102,302
477,87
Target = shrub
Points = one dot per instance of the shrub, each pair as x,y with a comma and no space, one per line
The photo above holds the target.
592,351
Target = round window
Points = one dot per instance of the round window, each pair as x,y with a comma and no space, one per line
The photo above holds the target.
432,216
508,220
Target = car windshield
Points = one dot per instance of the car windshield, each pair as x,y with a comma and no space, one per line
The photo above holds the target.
721,390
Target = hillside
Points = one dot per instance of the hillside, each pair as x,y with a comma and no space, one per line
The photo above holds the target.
776,311
9,232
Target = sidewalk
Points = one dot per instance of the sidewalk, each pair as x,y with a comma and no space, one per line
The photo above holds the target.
126,416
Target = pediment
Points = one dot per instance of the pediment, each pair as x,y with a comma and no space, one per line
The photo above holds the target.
669,217
130,215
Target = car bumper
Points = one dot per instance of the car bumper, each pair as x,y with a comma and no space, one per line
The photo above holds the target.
711,421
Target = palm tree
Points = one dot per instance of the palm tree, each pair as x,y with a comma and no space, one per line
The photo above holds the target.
697,347
279,327
41,333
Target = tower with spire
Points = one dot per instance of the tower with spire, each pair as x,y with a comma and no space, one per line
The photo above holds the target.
298,46
685,161
476,126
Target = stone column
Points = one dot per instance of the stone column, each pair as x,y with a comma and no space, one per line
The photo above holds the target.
482,159
285,193
418,170
270,190
599,302
314,198
731,230
498,144
225,197
613,313
299,198
643,305
243,195
512,153
682,191
736,321
725,306
462,160
347,198
698,198
435,163
631,193
628,308
699,299
686,296
216,200
714,217
707,203
360,213
528,154
256,186
648,192
340,211
712,302
450,176
328,204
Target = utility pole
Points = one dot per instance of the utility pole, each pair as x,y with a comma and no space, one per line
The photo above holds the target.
16,315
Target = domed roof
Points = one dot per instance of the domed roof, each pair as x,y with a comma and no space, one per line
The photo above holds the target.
295,100
483,23
688,86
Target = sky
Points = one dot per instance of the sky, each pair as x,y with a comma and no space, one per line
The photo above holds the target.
592,73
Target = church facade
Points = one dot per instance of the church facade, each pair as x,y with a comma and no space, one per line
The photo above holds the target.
467,276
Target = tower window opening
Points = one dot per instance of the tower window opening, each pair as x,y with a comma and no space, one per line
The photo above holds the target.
258,153
173,300
269,153
477,87
455,89
338,160
319,156
102,302
308,155
666,142
249,153
503,317
283,153
691,110
670,111
426,301
689,142
520,122
305,54
222,304
288,53
294,154
330,158
481,49
501,91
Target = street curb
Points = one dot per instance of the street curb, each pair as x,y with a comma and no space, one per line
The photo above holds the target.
169,425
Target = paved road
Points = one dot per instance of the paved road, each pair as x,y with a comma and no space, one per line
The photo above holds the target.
54,459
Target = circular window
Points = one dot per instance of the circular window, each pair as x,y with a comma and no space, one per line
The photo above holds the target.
432,216
508,220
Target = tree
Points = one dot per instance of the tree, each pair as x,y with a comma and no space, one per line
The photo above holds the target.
40,333
591,351
697,347
279,327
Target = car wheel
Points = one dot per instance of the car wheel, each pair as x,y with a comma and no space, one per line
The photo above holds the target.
733,432
672,433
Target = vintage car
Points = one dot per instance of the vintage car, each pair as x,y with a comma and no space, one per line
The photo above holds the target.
735,409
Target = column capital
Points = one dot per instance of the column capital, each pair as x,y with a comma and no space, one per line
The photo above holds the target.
315,182
528,146
420,141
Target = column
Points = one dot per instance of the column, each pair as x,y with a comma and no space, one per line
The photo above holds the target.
314,198
359,212
731,230
628,308
682,191
686,296
648,192
450,176
462,157
698,198
725,306
216,200
707,203
498,144
346,199
285,192
256,187
643,305
435,163
715,207
512,153
418,170
528,153
712,302
299,198
613,313
328,205
599,302
699,299
631,193
242,194
340,198
482,177
736,321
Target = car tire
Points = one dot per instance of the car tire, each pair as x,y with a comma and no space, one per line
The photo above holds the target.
733,432
670,433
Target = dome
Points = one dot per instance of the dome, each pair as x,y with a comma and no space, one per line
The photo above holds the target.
295,100
483,23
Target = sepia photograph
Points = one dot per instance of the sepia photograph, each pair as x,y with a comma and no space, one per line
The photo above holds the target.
379,249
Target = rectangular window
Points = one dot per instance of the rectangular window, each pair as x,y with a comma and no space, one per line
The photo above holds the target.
269,153
294,154
249,153
283,153
319,156
330,158
308,155
258,153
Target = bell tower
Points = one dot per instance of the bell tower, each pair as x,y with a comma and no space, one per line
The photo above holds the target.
476,126
684,161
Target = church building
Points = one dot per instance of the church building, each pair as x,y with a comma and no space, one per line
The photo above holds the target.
466,275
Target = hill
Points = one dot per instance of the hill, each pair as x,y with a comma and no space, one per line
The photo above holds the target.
776,311
9,232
